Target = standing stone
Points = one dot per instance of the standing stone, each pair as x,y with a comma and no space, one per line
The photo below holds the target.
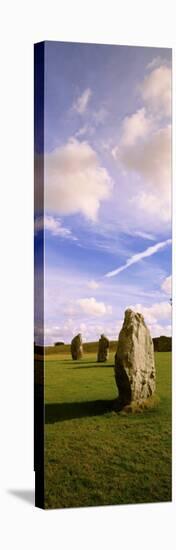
103,349
77,347
134,361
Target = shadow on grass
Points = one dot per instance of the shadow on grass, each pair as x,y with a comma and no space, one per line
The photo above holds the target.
82,364
58,412
72,362
87,365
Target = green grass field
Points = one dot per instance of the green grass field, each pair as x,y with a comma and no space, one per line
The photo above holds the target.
94,456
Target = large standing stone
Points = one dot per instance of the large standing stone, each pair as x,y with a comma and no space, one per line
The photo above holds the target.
134,360
103,349
77,347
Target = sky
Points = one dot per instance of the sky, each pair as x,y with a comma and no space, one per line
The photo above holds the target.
107,189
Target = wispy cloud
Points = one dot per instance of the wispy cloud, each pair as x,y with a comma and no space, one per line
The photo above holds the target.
144,235
82,131
81,103
157,62
138,257
93,285
100,115
54,226
86,129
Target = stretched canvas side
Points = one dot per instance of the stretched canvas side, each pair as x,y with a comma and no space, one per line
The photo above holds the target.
39,273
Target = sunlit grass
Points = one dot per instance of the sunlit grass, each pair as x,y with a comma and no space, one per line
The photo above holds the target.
94,456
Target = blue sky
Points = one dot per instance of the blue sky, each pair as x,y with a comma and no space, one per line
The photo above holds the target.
107,189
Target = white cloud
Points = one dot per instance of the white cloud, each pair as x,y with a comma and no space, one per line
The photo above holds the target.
156,90
64,332
54,226
90,306
155,313
115,152
93,284
54,333
151,159
64,317
167,285
81,103
138,257
156,206
144,148
160,330
91,332
75,180
134,127
156,61
67,331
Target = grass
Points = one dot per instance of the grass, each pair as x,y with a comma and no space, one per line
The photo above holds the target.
94,456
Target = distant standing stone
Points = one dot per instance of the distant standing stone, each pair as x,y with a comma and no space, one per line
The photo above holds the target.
134,360
103,349
77,347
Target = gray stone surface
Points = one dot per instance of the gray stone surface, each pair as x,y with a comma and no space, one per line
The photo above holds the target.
77,347
134,360
103,349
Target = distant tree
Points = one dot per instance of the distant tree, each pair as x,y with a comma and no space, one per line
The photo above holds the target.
59,344
162,343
